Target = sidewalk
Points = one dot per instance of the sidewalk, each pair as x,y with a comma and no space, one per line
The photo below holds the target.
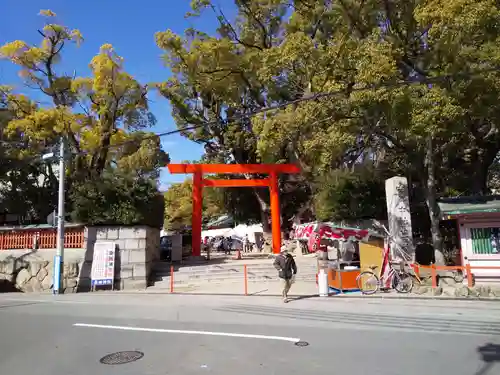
302,290
246,258
270,288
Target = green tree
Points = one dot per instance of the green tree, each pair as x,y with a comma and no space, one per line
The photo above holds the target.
179,204
111,104
103,118
433,129
217,80
116,199
351,196
26,187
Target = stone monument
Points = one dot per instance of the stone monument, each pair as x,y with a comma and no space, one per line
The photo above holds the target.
399,217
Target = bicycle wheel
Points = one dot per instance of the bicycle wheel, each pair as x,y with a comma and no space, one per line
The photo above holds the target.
368,282
402,282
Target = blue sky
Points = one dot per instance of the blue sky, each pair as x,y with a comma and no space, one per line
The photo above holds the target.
129,25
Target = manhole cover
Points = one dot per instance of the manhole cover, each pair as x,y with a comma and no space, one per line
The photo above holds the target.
301,343
120,358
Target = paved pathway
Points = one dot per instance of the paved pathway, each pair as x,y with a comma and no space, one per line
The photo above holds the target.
223,335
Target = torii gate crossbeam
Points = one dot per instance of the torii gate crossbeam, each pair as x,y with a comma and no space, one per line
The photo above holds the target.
198,170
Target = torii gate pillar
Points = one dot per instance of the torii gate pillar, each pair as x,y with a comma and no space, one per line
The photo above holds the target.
198,183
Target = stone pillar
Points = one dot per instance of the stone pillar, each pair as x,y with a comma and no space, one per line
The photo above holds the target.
137,250
399,217
137,253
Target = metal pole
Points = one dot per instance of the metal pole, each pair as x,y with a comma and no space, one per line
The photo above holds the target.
59,258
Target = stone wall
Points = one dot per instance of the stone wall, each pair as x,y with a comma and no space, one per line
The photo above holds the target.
32,270
137,249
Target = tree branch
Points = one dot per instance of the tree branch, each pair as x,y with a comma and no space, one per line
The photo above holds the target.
233,31
355,25
250,14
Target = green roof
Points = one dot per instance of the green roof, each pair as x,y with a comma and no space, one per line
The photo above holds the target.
469,205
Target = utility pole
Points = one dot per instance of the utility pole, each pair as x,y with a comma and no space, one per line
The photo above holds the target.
59,258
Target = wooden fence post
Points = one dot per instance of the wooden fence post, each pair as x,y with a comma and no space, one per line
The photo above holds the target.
171,279
434,276
245,275
470,281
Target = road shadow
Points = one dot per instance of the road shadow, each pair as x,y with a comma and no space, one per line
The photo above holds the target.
490,354
298,298
258,293
7,286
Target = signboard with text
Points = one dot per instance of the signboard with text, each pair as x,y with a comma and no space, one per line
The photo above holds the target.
103,263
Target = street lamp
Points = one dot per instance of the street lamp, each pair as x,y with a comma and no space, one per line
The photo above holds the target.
59,257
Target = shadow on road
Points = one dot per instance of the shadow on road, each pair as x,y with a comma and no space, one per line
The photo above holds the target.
490,354
297,298
7,286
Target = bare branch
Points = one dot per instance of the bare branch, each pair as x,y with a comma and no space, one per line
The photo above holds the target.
83,107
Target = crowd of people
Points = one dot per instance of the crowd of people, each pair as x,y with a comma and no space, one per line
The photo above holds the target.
227,244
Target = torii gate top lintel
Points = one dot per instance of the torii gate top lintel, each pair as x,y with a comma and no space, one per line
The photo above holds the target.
233,168
198,183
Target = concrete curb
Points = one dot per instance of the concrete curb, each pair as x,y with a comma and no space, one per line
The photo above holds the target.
440,298
331,297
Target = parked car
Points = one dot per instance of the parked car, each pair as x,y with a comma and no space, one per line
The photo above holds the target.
165,248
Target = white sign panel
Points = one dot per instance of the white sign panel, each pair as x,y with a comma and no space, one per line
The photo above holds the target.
103,264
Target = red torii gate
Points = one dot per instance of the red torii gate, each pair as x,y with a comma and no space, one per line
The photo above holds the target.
198,183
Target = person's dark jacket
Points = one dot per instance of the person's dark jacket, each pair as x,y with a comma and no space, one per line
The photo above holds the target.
286,266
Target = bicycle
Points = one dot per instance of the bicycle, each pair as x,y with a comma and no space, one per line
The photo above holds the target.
369,283
456,275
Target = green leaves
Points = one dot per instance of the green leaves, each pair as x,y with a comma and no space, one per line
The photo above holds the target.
351,196
117,200
179,204
376,55
105,119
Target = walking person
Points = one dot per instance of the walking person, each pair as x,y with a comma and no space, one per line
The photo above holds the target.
246,244
287,268
228,245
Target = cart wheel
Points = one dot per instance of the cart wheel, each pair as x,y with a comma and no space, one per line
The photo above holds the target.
368,282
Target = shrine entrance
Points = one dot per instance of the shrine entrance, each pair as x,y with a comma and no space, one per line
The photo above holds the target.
198,170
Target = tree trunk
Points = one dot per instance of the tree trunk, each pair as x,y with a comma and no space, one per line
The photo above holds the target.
264,218
480,172
102,154
431,195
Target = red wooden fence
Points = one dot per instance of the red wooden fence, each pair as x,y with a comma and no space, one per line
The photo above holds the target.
467,269
46,238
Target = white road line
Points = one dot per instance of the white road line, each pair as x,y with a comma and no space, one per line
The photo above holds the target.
206,333
43,301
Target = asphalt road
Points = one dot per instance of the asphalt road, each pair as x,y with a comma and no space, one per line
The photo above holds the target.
183,335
